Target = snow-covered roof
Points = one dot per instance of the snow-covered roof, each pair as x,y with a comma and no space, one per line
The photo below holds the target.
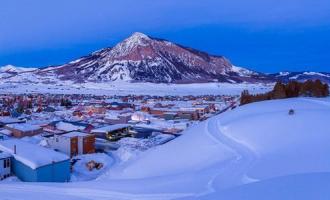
110,128
68,127
5,132
24,127
31,155
75,134
9,120
4,155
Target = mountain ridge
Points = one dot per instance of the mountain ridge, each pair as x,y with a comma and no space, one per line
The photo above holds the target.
142,58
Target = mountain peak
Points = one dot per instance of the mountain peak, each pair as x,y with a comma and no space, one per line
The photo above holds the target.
135,40
12,68
139,35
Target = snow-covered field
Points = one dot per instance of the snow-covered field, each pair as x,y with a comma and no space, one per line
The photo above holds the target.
257,151
127,88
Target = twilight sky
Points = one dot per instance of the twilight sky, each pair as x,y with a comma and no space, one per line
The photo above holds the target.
264,35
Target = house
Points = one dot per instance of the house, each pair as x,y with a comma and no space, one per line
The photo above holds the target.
96,109
33,163
119,106
158,111
112,132
188,113
5,169
73,143
22,130
170,115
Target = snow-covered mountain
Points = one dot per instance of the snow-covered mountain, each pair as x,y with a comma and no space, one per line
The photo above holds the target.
141,58
10,71
145,59
301,76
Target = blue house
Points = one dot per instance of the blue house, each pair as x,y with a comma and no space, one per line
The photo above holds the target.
33,163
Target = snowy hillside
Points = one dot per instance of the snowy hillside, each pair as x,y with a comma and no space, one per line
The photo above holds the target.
301,76
242,151
9,71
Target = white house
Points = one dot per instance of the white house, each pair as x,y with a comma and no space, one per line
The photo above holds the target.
5,165
73,143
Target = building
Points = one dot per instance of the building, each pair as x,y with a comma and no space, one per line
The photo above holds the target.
73,143
22,130
112,132
5,169
170,115
33,163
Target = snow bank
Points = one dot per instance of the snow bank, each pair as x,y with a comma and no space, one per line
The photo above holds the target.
284,144
192,151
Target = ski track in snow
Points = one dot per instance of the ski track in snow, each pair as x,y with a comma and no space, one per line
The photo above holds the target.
236,170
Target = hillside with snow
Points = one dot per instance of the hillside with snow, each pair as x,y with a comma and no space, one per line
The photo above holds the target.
245,151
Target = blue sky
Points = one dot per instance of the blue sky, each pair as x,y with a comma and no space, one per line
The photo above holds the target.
264,35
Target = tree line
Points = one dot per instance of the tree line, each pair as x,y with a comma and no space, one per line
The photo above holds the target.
308,88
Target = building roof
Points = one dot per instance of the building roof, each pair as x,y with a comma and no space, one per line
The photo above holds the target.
24,127
110,128
75,134
65,126
9,120
4,155
31,155
5,132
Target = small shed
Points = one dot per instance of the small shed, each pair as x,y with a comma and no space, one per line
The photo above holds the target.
33,163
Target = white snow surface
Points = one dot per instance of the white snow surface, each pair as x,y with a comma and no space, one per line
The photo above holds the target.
80,171
128,88
248,150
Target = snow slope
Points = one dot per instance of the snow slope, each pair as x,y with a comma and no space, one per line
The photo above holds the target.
240,152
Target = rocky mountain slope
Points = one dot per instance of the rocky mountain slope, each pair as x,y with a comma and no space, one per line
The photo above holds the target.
145,59
141,58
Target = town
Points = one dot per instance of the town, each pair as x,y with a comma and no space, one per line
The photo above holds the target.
62,138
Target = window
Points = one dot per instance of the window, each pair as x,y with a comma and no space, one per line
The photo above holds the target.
6,163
